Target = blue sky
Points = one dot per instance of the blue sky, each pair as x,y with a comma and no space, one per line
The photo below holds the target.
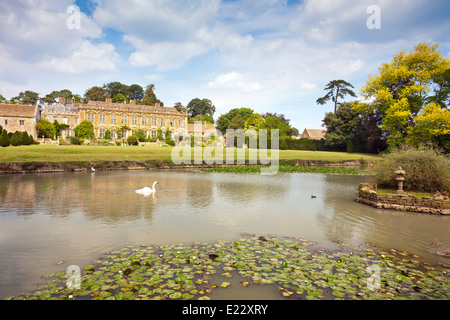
267,55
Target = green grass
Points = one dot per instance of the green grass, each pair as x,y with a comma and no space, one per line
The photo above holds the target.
287,169
60,153
417,194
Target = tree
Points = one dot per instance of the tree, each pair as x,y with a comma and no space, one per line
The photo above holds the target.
2,100
16,139
4,139
140,135
46,129
54,95
59,127
119,98
136,92
115,87
223,122
168,138
272,122
25,139
337,89
401,94
254,121
27,97
353,131
200,106
150,96
107,134
180,107
202,118
85,130
95,94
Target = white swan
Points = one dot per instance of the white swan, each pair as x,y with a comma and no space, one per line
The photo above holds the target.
93,169
146,190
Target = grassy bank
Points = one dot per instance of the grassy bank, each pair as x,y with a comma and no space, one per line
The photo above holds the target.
287,169
52,153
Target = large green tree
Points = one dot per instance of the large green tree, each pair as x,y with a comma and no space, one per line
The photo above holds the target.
402,93
224,121
95,93
200,107
46,129
26,97
350,130
150,98
336,89
85,130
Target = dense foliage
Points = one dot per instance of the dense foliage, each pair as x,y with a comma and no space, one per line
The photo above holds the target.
426,169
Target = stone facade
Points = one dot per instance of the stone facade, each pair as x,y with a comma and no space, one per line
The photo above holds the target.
18,117
112,116
438,204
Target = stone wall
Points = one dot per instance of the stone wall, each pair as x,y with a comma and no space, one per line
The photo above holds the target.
367,194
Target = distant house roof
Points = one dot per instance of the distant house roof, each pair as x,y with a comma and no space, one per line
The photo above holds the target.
18,110
315,134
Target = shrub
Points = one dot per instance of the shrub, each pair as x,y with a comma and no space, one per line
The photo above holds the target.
107,135
132,140
76,141
85,130
4,139
25,139
16,139
426,169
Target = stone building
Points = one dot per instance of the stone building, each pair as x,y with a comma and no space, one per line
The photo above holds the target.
123,119
18,117
64,114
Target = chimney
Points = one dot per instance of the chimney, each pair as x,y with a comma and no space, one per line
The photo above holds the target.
132,101
157,104
62,100
109,100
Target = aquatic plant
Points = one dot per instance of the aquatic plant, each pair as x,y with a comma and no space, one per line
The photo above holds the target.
296,268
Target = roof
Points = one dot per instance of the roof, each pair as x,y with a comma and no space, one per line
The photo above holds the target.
18,110
129,107
316,134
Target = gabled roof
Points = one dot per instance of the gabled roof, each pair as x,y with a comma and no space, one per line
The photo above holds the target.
18,110
316,134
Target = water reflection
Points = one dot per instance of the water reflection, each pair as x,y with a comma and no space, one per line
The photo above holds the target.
76,217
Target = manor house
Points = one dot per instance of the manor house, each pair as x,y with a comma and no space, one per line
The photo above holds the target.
121,119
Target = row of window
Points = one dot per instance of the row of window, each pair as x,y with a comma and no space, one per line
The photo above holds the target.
134,120
101,133
21,122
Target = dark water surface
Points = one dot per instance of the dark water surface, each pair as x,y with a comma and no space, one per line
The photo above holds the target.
51,221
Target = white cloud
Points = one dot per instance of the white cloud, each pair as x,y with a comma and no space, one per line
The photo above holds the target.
308,86
234,80
87,58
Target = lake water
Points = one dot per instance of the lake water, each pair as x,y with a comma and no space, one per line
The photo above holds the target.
51,221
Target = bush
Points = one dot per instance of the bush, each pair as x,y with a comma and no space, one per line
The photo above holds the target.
16,139
426,169
132,140
76,141
4,139
107,135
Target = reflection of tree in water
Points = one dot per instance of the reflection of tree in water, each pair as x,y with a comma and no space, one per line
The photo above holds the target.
246,188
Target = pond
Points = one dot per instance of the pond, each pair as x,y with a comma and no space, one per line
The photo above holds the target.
51,221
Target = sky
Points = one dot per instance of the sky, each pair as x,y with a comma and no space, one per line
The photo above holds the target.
267,55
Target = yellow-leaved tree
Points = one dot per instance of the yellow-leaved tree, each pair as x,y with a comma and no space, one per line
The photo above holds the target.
403,93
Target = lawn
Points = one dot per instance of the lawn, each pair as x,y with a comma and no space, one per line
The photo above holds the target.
53,153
